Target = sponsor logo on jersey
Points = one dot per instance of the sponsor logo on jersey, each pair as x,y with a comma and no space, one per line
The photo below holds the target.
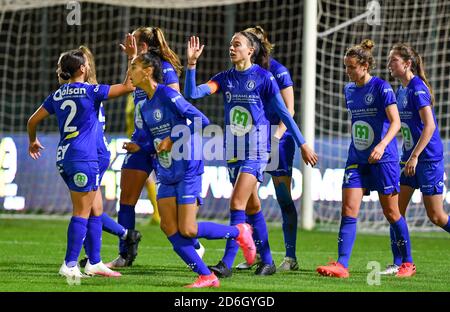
228,96
67,91
80,179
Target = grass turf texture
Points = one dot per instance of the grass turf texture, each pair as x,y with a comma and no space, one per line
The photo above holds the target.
33,250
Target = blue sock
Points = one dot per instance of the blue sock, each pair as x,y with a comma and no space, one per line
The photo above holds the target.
184,247
447,226
395,250
76,232
126,218
404,244
111,226
210,230
346,239
260,236
231,248
289,214
93,241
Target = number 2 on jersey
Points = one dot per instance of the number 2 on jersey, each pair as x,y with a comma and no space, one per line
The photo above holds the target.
73,111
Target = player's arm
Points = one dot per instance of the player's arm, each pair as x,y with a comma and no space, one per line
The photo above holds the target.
288,97
426,115
34,146
121,88
191,90
308,155
175,86
394,127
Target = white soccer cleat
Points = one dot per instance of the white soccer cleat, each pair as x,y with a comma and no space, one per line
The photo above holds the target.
391,269
73,272
201,251
288,264
245,266
100,269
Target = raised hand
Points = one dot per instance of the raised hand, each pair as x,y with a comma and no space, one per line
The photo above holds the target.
129,46
194,50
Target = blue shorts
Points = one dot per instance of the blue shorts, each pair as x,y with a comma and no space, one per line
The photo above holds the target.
187,191
103,164
80,176
381,177
285,155
140,160
253,167
429,177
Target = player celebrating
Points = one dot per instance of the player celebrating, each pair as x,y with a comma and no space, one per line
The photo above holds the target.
422,160
249,91
372,163
138,166
282,176
180,179
76,106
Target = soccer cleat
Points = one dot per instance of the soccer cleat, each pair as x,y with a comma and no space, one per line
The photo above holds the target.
333,269
245,241
266,269
100,269
132,241
288,264
204,281
245,266
407,269
221,269
201,251
83,262
119,262
73,272
391,269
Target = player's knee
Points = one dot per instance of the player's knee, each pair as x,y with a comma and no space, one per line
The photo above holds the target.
437,219
349,210
188,231
169,228
392,215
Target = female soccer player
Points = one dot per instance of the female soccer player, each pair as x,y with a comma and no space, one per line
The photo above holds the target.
282,176
372,163
131,237
164,111
137,167
422,160
76,106
250,93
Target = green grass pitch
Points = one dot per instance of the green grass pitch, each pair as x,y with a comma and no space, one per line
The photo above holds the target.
31,251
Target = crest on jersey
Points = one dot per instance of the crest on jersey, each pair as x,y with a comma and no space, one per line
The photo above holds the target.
228,96
368,98
250,85
405,102
157,115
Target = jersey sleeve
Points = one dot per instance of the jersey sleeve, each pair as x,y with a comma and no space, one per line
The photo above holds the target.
48,104
387,95
99,93
269,88
283,78
421,96
169,74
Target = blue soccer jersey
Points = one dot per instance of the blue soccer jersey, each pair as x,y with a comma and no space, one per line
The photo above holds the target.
411,100
281,74
165,110
169,77
102,144
76,107
367,107
247,95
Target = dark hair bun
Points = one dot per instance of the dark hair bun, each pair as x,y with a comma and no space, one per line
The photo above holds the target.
367,44
64,75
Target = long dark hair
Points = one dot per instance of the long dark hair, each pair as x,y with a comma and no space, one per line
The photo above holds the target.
70,62
151,59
